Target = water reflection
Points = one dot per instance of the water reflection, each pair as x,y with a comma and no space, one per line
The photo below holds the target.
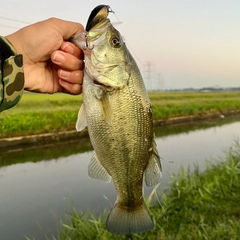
38,186
58,150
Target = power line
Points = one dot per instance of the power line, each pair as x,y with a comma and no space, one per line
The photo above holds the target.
7,26
14,20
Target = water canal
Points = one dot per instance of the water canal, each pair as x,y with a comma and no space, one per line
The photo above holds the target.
39,186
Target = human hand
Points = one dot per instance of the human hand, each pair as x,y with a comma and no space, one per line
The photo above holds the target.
51,63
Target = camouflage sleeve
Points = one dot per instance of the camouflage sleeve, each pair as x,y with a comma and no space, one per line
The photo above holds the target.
11,77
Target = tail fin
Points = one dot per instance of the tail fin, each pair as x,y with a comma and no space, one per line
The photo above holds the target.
124,221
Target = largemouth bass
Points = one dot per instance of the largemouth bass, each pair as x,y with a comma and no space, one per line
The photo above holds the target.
117,111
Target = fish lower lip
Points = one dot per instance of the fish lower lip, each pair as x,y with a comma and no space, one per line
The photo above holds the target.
98,83
101,84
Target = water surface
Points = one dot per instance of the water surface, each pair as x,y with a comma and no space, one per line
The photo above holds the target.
38,186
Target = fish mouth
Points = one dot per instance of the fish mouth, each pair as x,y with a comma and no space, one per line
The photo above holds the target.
98,14
98,83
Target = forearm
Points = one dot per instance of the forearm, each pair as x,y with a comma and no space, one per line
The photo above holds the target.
11,75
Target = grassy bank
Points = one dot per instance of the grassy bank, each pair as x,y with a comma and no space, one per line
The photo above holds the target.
197,205
39,113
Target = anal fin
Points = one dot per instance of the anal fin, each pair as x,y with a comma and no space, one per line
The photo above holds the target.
97,171
153,172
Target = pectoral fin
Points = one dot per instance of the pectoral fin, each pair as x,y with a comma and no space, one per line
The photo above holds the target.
101,94
106,108
82,120
153,172
97,171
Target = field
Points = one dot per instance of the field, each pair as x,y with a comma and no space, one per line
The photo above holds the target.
42,113
167,105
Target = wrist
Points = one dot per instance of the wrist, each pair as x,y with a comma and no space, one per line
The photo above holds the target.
6,50
11,74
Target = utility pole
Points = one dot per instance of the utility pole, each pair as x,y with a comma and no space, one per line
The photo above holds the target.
149,74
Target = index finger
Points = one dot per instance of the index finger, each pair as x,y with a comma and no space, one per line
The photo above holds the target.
71,48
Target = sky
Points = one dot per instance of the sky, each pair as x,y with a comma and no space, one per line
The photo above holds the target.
176,43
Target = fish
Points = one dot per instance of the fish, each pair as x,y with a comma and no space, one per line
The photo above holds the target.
118,114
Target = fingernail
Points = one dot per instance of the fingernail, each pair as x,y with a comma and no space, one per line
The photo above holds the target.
68,49
63,83
58,57
64,74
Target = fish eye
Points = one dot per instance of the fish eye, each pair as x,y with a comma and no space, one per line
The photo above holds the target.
115,42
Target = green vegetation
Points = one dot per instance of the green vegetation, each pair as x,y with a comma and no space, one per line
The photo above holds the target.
167,105
41,113
197,205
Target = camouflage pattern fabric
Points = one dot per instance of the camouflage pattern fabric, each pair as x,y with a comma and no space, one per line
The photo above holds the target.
11,80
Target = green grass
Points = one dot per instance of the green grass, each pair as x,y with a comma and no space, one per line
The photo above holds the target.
35,122
205,205
197,205
167,105
41,113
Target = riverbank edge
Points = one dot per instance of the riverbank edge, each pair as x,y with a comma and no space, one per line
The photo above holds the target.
54,137
196,205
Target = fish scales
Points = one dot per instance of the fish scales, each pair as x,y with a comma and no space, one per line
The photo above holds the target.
118,113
